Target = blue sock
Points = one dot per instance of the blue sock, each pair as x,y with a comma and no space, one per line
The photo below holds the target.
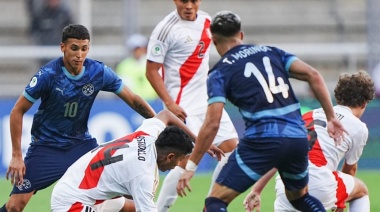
308,203
213,204
3,209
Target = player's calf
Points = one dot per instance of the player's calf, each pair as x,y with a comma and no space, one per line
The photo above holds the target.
308,203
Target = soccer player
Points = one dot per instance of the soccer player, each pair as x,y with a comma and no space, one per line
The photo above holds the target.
67,87
125,166
255,79
331,186
179,48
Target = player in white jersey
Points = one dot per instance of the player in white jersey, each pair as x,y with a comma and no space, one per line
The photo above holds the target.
127,166
332,187
179,49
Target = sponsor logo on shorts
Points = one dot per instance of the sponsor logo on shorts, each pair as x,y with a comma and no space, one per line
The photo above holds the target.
25,185
88,89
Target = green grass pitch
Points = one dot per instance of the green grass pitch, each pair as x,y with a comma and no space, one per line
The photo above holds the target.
200,185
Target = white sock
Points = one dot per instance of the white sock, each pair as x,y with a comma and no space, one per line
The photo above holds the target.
168,193
217,169
360,205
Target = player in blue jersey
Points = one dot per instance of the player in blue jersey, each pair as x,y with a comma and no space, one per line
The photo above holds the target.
67,87
255,79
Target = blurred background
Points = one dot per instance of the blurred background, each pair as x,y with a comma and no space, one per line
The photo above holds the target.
334,36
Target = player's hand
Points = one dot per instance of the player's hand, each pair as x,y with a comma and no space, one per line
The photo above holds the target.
184,182
252,201
215,152
16,170
177,111
336,131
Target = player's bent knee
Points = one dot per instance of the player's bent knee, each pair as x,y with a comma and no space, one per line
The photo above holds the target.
129,206
228,145
360,189
214,204
117,204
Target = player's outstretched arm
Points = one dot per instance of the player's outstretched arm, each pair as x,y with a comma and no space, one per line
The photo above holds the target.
170,119
253,200
136,103
302,71
204,140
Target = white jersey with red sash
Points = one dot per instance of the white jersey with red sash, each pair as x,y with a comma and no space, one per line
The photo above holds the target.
182,47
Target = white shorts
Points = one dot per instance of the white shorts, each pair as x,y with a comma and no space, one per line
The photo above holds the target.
106,206
226,128
110,205
331,188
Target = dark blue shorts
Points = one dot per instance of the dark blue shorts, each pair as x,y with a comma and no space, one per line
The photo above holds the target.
253,158
46,164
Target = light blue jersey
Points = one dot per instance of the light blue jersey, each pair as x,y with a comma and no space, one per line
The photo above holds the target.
66,100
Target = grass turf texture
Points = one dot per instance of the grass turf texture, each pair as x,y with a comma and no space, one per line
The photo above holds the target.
194,200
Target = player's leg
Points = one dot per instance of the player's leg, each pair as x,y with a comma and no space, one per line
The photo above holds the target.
236,176
37,163
293,169
281,203
168,193
17,202
120,204
129,206
358,198
219,198
44,165
227,147
226,139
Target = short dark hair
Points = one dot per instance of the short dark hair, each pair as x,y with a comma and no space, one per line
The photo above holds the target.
354,90
225,23
76,31
176,140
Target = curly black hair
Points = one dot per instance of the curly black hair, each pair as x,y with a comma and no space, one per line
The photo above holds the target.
354,90
176,140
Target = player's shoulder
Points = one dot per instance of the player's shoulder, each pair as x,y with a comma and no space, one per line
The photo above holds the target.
51,68
203,14
94,65
349,120
169,20
166,26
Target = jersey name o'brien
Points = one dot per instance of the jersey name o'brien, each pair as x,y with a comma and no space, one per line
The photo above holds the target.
250,51
141,148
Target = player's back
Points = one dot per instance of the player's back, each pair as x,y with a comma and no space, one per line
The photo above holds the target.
324,152
113,169
255,79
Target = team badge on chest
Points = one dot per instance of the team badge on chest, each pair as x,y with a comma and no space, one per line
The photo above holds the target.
88,89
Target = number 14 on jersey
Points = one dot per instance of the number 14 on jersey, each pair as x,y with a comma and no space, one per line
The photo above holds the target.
272,88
